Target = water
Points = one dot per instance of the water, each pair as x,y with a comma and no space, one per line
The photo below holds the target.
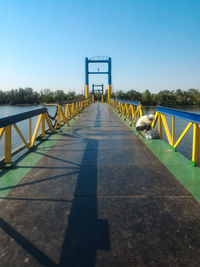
185,146
23,125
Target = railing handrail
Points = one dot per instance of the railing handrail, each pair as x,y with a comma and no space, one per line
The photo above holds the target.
189,116
62,116
126,101
61,103
64,102
20,117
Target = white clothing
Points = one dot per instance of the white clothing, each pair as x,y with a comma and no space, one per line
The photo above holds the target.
144,121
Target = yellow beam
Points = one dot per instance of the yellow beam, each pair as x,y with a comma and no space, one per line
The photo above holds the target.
134,116
160,125
59,115
109,92
49,122
8,144
166,129
21,136
1,132
155,120
183,134
36,130
195,145
43,125
63,116
140,108
173,130
86,91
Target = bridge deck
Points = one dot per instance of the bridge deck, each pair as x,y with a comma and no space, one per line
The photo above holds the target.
99,197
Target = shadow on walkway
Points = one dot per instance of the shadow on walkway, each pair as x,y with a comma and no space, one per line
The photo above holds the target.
85,233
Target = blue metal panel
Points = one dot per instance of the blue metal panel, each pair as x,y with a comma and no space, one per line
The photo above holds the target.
135,103
97,72
20,117
97,90
109,71
86,71
87,61
189,116
97,61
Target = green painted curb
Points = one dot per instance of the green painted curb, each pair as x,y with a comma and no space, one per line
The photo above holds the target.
11,177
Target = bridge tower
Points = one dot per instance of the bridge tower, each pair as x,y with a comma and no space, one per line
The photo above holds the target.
97,90
106,60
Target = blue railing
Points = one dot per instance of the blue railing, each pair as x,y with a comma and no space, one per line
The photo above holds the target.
192,118
135,103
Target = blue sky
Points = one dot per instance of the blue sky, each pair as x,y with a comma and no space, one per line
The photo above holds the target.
154,44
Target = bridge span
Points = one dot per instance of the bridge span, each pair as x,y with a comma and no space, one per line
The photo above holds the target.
94,194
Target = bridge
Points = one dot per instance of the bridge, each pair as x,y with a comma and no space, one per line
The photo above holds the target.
94,194
92,191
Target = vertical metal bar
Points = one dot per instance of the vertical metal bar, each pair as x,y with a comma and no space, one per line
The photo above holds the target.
30,131
173,130
195,146
43,125
77,108
140,107
67,112
160,125
59,115
8,144
86,78
109,79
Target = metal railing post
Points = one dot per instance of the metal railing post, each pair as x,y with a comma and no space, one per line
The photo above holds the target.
160,125
195,145
8,144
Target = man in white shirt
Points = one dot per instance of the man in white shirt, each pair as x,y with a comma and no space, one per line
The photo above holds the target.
144,122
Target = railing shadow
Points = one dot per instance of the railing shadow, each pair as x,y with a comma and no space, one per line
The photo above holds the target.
27,245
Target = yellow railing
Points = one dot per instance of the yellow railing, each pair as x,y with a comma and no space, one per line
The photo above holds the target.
63,114
193,120
129,109
68,111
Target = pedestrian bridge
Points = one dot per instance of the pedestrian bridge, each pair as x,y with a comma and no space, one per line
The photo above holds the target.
95,193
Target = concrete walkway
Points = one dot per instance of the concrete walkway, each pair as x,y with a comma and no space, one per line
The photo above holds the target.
99,197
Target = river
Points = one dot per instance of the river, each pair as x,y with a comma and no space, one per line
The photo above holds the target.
185,146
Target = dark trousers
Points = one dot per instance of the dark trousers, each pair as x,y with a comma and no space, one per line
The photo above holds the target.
144,127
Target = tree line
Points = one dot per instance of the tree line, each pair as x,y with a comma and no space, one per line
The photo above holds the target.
163,98
29,96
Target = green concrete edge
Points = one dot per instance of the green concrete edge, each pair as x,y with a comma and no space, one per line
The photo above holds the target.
175,162
11,177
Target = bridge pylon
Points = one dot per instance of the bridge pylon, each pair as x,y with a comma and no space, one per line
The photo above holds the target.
106,60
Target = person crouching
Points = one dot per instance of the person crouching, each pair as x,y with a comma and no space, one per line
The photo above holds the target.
144,122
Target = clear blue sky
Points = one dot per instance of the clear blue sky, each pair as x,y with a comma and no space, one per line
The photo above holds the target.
154,44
